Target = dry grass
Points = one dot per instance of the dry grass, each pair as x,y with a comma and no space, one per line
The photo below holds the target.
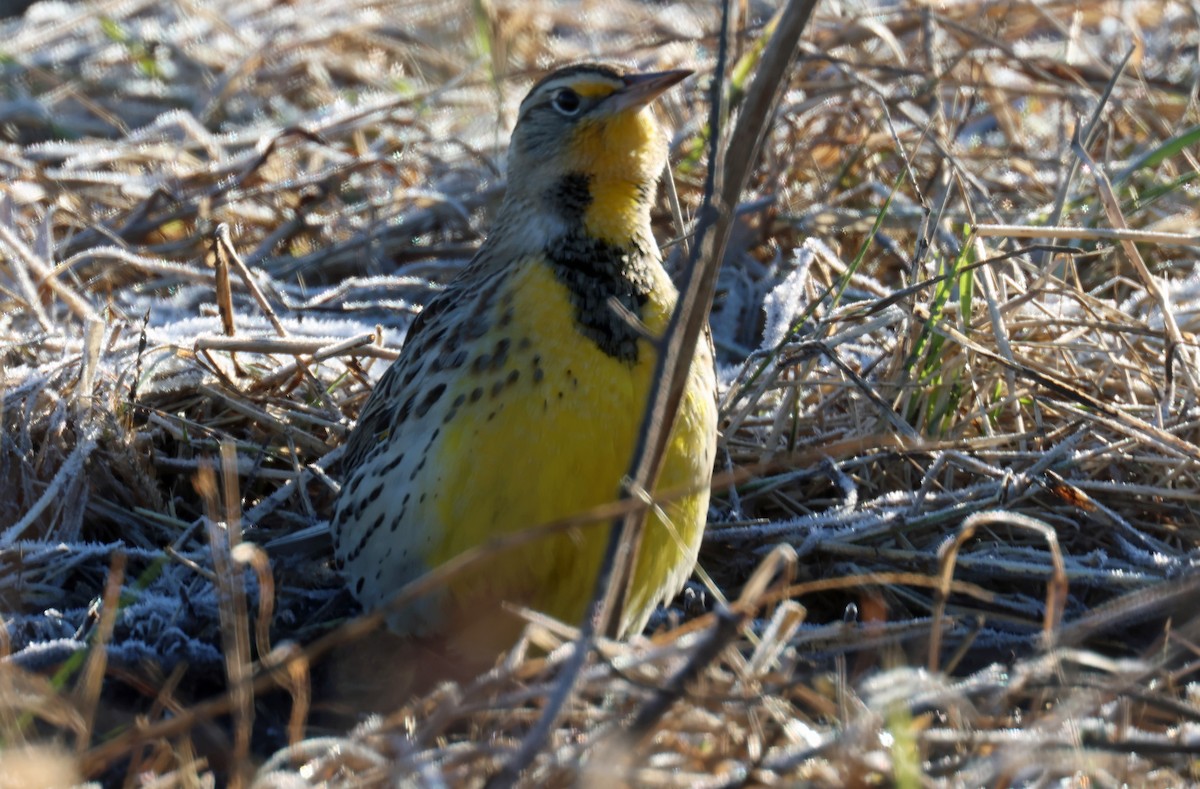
976,435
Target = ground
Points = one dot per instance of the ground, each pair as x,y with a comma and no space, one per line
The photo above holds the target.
954,513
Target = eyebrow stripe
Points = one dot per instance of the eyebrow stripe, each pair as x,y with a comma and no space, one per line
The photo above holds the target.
593,90
570,72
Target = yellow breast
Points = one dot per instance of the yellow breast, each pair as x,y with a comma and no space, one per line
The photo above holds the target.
549,433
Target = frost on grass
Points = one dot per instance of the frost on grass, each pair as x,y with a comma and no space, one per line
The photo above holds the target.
891,371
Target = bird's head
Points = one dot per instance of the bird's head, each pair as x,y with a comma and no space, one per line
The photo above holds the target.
586,147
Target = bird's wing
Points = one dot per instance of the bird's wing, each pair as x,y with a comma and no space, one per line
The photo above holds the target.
379,414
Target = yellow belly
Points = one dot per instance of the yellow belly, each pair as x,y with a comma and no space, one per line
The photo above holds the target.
553,441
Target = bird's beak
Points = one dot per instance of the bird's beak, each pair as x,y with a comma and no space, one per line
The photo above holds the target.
641,89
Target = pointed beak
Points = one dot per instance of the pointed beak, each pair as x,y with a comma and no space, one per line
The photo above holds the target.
641,89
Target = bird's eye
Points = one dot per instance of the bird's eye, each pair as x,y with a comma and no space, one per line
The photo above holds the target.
566,101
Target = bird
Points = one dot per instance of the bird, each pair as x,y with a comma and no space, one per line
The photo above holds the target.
520,388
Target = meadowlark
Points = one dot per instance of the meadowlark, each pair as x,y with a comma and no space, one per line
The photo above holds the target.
519,393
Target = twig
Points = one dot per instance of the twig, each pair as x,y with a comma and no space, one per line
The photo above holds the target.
224,539
728,174
225,247
91,680
1056,587
18,250
1089,136
1087,234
